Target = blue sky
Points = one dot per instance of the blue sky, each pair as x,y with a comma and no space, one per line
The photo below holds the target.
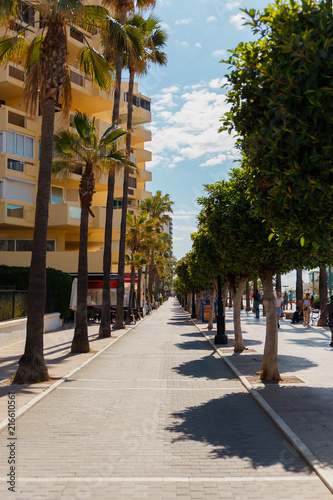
187,103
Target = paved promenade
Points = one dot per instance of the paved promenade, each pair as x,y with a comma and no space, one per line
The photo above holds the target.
157,415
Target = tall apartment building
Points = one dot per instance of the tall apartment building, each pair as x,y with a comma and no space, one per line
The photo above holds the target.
19,151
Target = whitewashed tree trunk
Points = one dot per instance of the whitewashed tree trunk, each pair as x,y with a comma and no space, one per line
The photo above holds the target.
269,366
237,296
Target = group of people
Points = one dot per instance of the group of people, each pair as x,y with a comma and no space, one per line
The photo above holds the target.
303,309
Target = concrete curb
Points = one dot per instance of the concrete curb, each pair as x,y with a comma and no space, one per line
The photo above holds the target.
51,388
324,474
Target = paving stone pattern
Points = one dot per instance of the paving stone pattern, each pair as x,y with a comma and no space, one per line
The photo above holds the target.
158,415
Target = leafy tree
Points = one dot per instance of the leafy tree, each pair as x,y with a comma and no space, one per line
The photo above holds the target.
84,148
281,101
47,83
244,248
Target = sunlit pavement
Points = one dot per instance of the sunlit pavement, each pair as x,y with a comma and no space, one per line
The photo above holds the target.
304,398
157,415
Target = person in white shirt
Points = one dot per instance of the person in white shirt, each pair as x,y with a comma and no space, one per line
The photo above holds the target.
278,307
306,307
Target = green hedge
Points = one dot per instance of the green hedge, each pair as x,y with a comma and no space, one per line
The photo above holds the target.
58,285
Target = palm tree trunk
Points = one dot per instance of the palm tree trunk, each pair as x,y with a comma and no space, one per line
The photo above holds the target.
80,341
322,294
32,366
131,295
119,322
299,286
139,286
105,326
269,366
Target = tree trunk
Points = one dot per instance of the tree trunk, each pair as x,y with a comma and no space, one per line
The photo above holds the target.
323,299
199,308
105,326
278,283
139,286
299,286
32,368
237,295
269,366
87,187
248,304
212,309
119,322
131,294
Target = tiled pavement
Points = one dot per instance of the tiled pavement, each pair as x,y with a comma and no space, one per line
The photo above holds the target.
157,415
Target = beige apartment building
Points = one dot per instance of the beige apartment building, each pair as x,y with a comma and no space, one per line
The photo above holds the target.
19,151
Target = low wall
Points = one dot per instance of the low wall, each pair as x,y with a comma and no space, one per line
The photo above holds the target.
15,330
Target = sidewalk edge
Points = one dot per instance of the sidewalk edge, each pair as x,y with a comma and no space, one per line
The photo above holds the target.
325,475
56,384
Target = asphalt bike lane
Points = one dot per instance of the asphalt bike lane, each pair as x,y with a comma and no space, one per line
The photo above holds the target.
158,415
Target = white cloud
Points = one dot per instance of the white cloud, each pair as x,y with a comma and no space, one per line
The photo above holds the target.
238,20
182,43
198,45
185,229
190,131
178,238
173,88
219,53
184,21
234,5
217,83
211,19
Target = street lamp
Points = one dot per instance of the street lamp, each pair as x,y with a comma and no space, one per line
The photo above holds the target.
220,337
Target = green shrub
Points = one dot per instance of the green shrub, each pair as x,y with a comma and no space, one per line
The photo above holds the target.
58,285
316,303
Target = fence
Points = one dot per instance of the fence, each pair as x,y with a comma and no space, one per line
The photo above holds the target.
14,303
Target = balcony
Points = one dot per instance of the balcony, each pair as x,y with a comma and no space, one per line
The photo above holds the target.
144,175
17,121
140,135
86,96
68,215
13,214
11,81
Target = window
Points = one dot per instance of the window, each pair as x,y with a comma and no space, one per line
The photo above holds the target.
23,245
132,182
76,35
27,13
16,73
56,195
7,245
74,212
16,119
117,204
76,78
15,211
17,144
144,104
20,190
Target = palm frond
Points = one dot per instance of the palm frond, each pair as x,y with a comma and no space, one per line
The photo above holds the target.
9,9
71,8
33,53
111,135
13,48
94,64
62,168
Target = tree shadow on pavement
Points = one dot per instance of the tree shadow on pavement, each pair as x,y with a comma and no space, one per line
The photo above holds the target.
234,426
208,367
249,364
308,411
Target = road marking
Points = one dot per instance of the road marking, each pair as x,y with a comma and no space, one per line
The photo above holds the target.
235,479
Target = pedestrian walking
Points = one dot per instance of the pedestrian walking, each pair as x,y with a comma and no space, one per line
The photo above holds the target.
306,308
256,302
291,298
328,314
285,300
278,303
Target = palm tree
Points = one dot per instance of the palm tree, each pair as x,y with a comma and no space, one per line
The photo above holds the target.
47,83
117,39
115,52
140,234
153,39
83,147
157,207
